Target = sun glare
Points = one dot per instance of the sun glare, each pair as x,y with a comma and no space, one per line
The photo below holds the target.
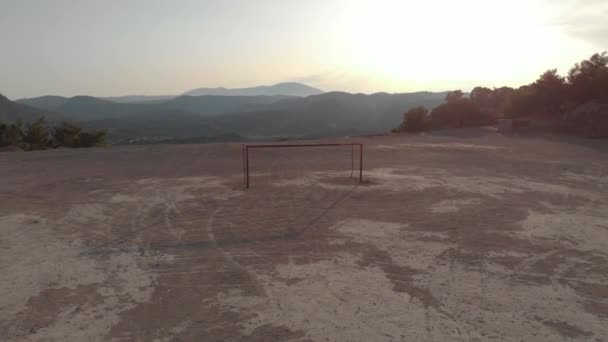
422,44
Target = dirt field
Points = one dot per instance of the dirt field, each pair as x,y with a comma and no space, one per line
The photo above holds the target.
456,236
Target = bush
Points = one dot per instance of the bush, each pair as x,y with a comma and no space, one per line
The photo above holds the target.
73,136
590,120
522,103
3,130
459,113
414,120
588,80
14,134
37,134
94,139
67,135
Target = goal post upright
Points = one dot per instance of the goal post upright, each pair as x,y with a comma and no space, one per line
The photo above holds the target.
360,163
246,147
247,166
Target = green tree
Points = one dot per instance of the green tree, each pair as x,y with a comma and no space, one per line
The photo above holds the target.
454,95
37,135
588,79
483,97
521,103
414,120
14,133
3,131
67,135
92,139
459,113
502,96
545,97
549,93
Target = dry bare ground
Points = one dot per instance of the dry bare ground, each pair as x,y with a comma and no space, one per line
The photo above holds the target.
457,236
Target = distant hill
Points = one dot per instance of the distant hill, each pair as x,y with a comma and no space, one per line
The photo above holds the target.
330,114
285,89
212,117
282,89
90,108
139,98
82,108
49,102
325,115
87,108
11,111
215,104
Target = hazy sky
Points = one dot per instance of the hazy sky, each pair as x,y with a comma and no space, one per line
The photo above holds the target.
119,47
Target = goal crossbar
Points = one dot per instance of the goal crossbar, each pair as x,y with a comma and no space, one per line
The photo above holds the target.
247,147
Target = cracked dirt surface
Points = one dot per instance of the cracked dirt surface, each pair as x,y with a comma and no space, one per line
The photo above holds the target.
460,236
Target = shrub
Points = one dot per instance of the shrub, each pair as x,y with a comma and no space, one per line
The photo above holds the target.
36,136
11,134
590,120
93,139
459,113
3,130
588,80
414,120
69,135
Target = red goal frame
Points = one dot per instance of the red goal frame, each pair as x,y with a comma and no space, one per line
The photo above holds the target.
246,148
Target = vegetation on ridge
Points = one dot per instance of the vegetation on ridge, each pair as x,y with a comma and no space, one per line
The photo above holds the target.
38,135
551,97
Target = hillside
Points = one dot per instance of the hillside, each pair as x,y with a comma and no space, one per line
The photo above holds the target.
285,89
330,114
139,98
281,89
215,104
249,117
87,108
11,111
49,102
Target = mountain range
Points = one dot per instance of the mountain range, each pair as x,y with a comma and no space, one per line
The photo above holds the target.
12,111
87,108
223,117
281,89
285,89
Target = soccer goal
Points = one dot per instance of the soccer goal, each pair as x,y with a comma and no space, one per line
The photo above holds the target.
354,146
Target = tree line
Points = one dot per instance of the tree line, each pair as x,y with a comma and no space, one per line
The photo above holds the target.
39,135
550,97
